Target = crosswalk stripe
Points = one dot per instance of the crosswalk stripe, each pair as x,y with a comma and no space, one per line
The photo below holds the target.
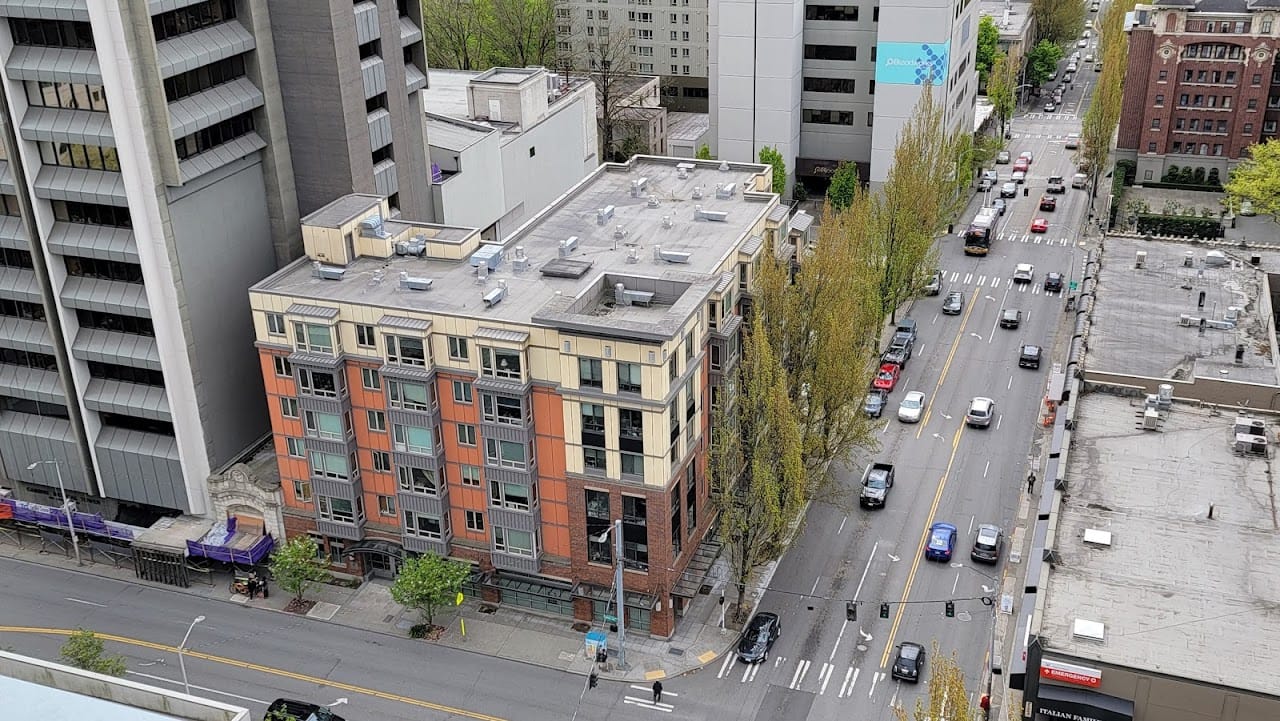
646,703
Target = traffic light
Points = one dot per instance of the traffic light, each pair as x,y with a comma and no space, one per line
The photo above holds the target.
850,611
951,609
593,680
884,610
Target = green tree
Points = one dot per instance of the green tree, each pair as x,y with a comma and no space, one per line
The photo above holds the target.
455,33
427,582
1058,21
1042,61
1002,84
843,186
988,45
757,468
1257,179
771,156
521,33
296,566
84,650
1103,114
704,153
947,697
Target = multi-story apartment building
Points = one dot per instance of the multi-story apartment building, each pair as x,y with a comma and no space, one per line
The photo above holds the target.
1202,85
352,99
834,83
147,182
667,38
506,403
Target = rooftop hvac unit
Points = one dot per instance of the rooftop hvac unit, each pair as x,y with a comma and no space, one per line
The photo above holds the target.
1188,259
327,272
619,232
1150,419
521,261
604,215
1216,259
568,245
666,221
726,191
653,201
671,256
697,192
1188,321
633,255
489,256
724,166
1152,401
1164,395
496,295
1141,260
638,186
1250,426
408,282
681,173
1233,313
371,227
1221,324
622,296
719,216
686,167
415,246
1249,445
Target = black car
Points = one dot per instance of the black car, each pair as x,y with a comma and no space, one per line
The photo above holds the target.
287,708
909,663
1053,282
1011,318
758,637
954,303
987,544
1029,356
876,401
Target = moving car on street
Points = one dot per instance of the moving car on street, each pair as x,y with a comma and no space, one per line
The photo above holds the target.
1048,203
1040,225
911,408
1057,186
987,544
942,542
981,412
1024,272
909,663
1029,356
1011,318
887,378
1003,157
1019,176
877,481
758,637
1049,107
953,304
1008,190
1053,281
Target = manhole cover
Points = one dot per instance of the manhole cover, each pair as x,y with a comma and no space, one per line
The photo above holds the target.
862,647
676,651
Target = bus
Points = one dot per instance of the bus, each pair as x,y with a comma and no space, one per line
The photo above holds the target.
977,239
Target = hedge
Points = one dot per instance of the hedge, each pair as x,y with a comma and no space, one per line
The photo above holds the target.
1181,186
1124,173
1179,225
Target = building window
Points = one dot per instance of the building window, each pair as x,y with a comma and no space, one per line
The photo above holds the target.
369,379
102,269
599,546
295,447
1257,79
320,383
312,338
330,465
323,425
502,409
1177,148
381,461
1266,26
289,407
71,96
1155,123
302,491
691,498
470,475
870,118
425,526
406,351
462,392
506,454
377,421
93,214
500,363
458,349
594,460
202,78
635,533
827,117
1151,147
275,324
512,542
412,439
1248,128
633,464
213,136
386,505
516,496
282,366
411,396
830,52
475,521
629,378
1217,149
836,13
1159,101
51,33
366,336
677,533
1184,100
1164,75
1252,104
590,373
466,434
417,480
76,155
192,18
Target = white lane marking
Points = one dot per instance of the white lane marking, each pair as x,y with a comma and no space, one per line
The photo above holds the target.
176,682
825,677
862,580
649,704
955,276
843,626
968,278
846,518
955,584
982,280
87,603
638,687
971,520
724,668
987,468
750,672
850,678
875,680
893,700
1010,384
995,282
999,419
779,661
797,678
815,585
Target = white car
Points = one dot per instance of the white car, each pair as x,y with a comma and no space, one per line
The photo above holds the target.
1082,44
912,407
1019,176
1088,58
1023,273
1072,67
1073,141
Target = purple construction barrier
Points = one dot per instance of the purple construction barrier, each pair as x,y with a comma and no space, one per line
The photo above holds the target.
222,543
88,523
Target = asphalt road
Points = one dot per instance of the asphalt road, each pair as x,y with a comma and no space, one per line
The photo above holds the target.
824,666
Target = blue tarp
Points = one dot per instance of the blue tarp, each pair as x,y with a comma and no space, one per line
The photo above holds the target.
222,543
88,523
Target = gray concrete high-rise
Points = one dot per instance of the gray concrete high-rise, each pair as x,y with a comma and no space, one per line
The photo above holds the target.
147,181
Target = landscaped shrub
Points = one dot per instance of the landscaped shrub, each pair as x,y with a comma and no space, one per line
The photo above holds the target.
1171,174
1179,225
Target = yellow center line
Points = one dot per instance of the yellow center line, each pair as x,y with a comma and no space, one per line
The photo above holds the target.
955,345
452,710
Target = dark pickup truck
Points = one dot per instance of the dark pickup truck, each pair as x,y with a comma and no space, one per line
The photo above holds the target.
287,709
899,349
877,481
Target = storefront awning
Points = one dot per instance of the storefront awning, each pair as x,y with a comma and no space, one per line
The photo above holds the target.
1072,704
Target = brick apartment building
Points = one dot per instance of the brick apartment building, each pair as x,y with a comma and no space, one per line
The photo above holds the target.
505,404
1202,85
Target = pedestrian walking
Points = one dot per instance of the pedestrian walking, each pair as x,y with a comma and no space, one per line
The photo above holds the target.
985,705
1031,483
657,692
253,585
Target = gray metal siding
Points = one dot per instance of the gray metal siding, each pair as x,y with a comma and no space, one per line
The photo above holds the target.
366,22
221,156
340,530
426,545
335,489
523,564
503,432
20,284
141,467
30,62
84,186
132,399
374,76
413,460
212,106
108,296
385,181
23,334
26,439
46,9
67,126
379,129
418,503
110,347
93,241
529,521
202,47
31,384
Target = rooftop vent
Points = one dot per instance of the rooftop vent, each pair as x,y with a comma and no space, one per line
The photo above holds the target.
604,215
521,261
489,256
1150,419
1250,445
686,167
1094,537
371,227
724,166
633,255
327,272
666,221
415,246
697,192
670,256
496,295
1188,259
718,216
1085,630
568,245
638,186
1141,260
1233,313
1164,395
1251,426
408,282
619,232
1216,259
726,191
653,201
622,296
681,173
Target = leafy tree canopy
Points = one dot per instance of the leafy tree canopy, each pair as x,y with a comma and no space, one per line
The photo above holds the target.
84,650
427,582
988,44
1257,179
1042,61
296,566
771,156
844,185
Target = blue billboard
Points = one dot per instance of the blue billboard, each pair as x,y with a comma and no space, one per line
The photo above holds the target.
911,63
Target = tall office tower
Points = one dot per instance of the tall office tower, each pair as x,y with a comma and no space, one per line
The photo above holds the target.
351,86
146,185
827,83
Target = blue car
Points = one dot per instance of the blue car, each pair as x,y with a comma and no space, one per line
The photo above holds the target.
942,541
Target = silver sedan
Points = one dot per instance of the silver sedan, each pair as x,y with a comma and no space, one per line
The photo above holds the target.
911,408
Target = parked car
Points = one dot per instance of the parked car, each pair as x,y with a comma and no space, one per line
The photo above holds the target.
875,403
877,481
1040,225
1008,190
1023,273
933,286
1029,356
1079,180
987,544
1246,208
981,412
1053,281
1011,318
1097,68
942,542
909,663
887,378
953,303
1066,78
758,637
911,409
1002,157
1088,58
1048,202
1072,67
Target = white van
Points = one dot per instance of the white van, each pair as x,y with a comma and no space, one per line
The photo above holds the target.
1079,180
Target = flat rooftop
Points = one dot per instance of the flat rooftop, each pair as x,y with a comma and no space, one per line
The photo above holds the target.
580,291
1137,326
687,126
446,94
1019,16
1178,593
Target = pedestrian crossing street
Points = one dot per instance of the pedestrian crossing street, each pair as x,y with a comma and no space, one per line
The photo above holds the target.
1033,239
802,675
1053,137
644,699
1048,116
954,279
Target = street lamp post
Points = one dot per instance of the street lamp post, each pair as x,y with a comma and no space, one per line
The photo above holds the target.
616,530
66,505
182,647
325,713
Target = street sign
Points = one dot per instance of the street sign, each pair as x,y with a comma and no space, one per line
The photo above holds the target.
610,619
1073,285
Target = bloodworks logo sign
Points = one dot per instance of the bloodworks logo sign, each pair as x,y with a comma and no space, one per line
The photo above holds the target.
911,63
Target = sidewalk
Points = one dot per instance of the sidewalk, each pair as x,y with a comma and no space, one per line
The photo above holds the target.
508,632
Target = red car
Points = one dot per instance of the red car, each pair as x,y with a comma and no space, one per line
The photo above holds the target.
1021,164
1040,225
887,378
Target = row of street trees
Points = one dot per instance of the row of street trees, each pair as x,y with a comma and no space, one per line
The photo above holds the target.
793,412
480,34
1103,114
